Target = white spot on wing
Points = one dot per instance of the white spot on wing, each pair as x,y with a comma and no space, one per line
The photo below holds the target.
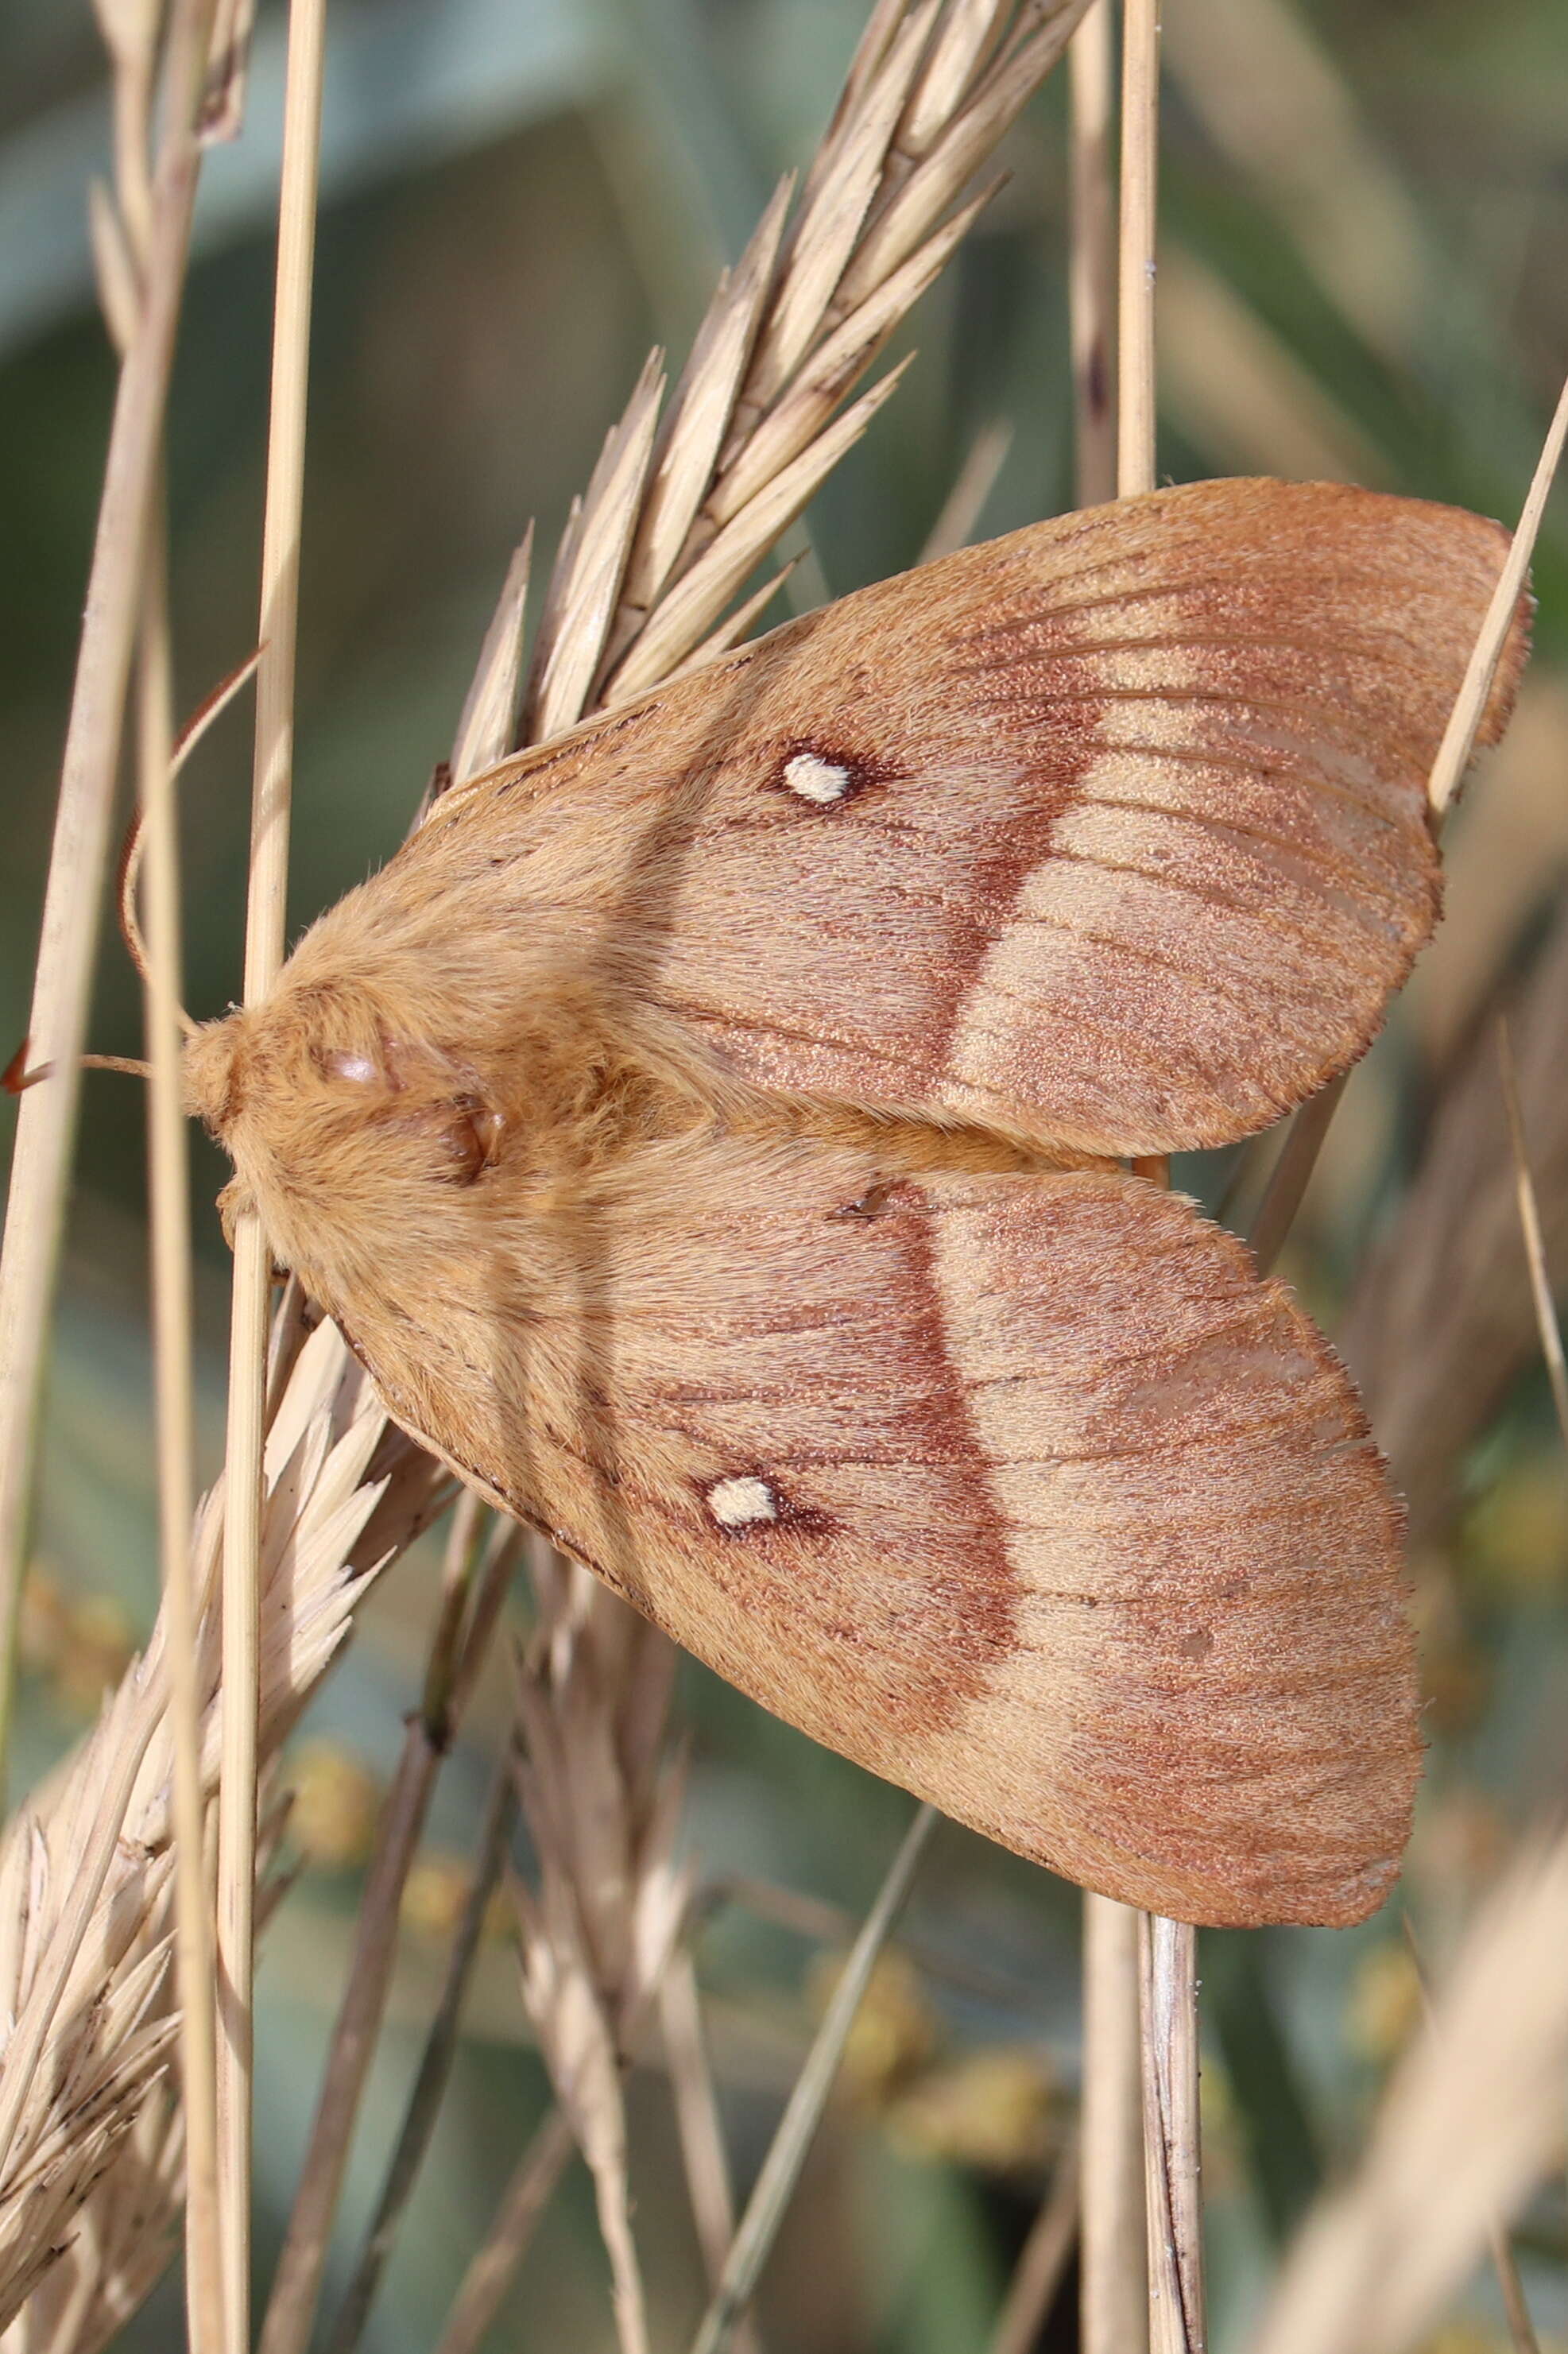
741,1503
816,779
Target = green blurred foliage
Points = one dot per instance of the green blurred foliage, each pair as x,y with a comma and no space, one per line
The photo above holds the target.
482,304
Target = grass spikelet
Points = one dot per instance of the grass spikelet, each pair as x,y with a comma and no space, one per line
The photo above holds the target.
85,1880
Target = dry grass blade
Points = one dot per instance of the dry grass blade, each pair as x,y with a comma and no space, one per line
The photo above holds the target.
1436,1357
603,1808
1114,2304
1092,254
1540,1294
45,1123
1454,754
802,2114
461,1635
487,726
493,2264
698,2123
833,214
583,588
435,2067
1037,2275
1472,2117
169,1187
961,510
686,614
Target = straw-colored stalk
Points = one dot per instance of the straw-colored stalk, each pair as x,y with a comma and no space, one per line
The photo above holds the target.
1167,1949
1532,1235
264,938
46,1114
472,1594
1113,2303
122,230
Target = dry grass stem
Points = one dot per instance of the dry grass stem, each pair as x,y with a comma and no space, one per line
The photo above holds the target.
1168,1959
1435,1358
1138,219
803,2113
1113,2301
121,228
435,2068
1454,754
171,1296
700,2126
264,935
495,2264
1292,1172
296,2285
1038,2272
1092,254
603,1808
1472,2118
1168,1974
1534,1240
45,1118
1114,2305
961,512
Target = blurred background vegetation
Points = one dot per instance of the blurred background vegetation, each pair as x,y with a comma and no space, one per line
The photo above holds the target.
1365,207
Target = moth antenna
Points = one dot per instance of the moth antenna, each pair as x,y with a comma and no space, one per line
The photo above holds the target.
189,736
16,1078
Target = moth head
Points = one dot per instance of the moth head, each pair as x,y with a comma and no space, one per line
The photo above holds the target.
211,1072
336,1117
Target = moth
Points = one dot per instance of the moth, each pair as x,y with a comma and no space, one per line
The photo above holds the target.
711,1131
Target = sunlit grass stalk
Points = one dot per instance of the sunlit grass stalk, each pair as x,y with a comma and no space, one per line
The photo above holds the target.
171,1296
493,2264
1113,2304
264,939
1297,1157
1043,2261
434,2069
803,2111
1530,1234
1167,1949
461,1639
121,228
46,1114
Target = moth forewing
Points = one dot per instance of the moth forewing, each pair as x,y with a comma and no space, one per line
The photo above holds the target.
701,1127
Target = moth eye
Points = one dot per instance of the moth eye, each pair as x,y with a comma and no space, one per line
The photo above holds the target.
470,1139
